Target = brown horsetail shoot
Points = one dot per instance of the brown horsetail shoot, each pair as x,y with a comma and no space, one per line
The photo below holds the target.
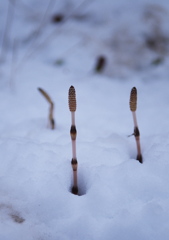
51,109
73,133
133,107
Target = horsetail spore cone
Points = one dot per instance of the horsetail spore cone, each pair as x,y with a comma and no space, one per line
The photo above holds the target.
51,109
133,107
72,99
133,99
73,134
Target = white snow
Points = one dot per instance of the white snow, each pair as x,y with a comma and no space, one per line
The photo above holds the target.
119,198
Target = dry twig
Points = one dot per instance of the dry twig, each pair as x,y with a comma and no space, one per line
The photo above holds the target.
51,109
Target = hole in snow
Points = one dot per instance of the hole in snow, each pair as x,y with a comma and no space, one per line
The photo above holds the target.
82,176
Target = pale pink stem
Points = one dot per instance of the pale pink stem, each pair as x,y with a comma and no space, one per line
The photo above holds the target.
137,135
74,160
73,118
75,178
74,148
138,145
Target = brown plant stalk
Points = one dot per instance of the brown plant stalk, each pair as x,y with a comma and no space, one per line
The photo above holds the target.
133,108
51,108
73,134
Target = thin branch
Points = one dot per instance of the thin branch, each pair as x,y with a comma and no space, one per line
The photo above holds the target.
7,30
13,63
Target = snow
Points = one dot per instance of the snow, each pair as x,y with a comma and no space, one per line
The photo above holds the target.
119,198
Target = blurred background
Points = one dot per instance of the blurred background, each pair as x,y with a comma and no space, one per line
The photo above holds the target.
113,38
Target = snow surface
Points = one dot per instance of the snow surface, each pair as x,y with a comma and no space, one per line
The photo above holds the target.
120,198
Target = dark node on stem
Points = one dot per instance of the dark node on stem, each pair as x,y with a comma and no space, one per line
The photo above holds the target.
74,164
74,161
57,18
73,132
101,61
52,121
136,132
75,190
139,158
